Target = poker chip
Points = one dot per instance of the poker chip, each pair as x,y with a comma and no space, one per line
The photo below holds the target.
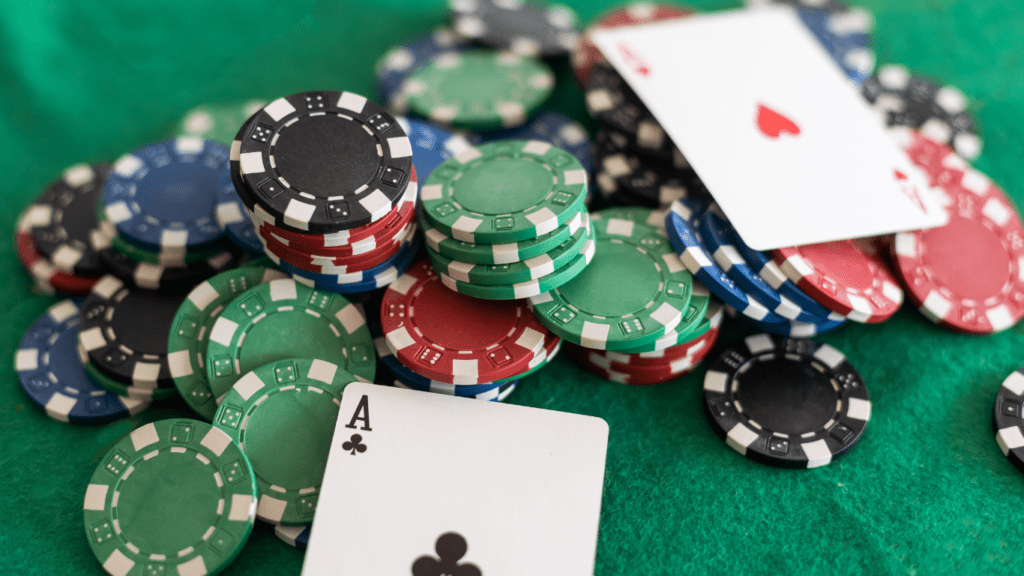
476,89
504,192
844,278
515,272
285,319
217,121
792,328
522,27
231,214
651,184
321,264
554,128
190,329
633,375
703,314
107,236
285,160
162,278
965,275
633,291
431,145
845,36
940,112
414,381
370,279
119,388
175,495
161,197
46,277
714,229
786,402
494,395
680,226
529,288
63,220
270,411
397,63
504,253
53,378
611,101
639,214
295,536
696,347
124,333
1006,419
452,338
586,54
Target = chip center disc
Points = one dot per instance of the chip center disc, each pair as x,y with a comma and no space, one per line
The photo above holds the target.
503,185
477,85
617,282
326,155
787,396
288,437
168,503
289,334
842,261
141,316
952,252
458,326
179,191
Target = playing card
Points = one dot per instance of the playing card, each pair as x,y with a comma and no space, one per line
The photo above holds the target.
426,484
784,142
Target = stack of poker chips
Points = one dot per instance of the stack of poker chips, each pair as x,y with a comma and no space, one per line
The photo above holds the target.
437,340
328,181
507,220
635,315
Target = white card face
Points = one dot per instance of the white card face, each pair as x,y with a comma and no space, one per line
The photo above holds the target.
784,142
517,490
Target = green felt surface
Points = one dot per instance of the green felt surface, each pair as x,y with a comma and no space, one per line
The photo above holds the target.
926,492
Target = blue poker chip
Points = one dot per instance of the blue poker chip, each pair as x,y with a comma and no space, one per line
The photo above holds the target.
680,225
53,377
558,129
400,61
493,395
232,216
422,383
162,197
715,230
794,329
844,35
431,145
370,279
297,536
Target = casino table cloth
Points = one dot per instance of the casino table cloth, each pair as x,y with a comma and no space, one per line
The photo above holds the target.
927,491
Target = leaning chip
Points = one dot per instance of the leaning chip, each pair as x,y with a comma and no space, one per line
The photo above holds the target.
63,220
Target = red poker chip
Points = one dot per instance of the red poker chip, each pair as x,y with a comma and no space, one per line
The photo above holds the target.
697,347
633,376
446,336
400,226
587,54
48,278
843,277
336,265
966,275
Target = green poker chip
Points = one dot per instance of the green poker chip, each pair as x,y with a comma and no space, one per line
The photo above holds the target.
507,253
516,272
639,214
115,387
218,121
285,319
190,330
172,497
529,288
504,191
634,291
282,414
476,89
695,323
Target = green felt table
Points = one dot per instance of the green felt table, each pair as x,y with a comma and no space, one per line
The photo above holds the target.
927,491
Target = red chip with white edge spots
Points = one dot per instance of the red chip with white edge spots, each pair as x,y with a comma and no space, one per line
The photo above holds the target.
844,278
446,336
969,274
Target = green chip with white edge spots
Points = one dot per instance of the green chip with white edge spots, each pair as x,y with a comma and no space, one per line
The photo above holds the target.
499,253
699,319
640,214
282,414
190,331
634,291
285,319
476,89
219,121
515,272
504,191
171,497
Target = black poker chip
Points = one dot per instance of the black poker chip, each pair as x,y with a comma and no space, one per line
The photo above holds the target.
526,28
905,98
64,219
1006,418
165,279
321,162
124,333
626,176
611,101
787,402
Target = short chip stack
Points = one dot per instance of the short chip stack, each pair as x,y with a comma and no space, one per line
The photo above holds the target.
329,183
507,220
